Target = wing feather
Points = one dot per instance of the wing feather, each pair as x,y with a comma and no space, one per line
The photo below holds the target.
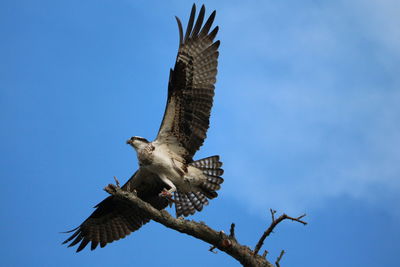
199,22
191,87
114,219
190,23
207,25
180,30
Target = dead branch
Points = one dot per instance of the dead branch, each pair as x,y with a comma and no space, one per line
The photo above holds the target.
279,259
232,232
264,255
217,239
273,224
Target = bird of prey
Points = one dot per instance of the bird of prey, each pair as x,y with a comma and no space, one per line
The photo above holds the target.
167,171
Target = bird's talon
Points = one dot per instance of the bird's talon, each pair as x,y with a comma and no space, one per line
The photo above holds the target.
165,193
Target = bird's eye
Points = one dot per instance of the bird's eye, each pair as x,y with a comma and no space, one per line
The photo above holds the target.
132,138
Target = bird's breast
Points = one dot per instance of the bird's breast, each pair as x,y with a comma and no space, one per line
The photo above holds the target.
146,155
164,162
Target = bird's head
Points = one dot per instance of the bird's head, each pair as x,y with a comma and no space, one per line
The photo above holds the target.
137,142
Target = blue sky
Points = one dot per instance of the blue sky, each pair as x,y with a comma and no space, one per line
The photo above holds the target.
306,119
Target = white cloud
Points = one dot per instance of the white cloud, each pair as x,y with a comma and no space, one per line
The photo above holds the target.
312,101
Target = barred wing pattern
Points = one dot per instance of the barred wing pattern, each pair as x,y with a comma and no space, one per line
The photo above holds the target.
113,219
188,203
191,87
183,129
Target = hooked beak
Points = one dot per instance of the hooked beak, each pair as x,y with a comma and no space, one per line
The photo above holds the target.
129,142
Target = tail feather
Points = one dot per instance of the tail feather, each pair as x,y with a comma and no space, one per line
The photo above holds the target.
211,168
178,203
215,179
210,162
212,172
184,204
195,201
187,203
203,199
210,186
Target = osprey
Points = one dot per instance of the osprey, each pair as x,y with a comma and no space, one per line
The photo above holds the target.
167,171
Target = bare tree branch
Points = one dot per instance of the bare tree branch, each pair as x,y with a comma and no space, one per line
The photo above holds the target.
212,249
217,239
279,259
274,223
232,232
264,255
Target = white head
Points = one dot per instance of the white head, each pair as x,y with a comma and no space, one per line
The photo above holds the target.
137,142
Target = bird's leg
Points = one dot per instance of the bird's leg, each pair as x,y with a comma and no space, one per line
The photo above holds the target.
169,183
167,193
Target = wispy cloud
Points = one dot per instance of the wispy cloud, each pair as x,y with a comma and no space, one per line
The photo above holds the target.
313,95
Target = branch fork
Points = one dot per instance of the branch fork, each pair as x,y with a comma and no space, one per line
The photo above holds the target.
272,226
217,239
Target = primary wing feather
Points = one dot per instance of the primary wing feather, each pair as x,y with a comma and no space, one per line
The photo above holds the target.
191,87
184,127
114,219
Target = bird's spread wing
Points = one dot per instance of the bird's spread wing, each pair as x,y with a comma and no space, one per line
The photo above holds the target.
191,87
113,219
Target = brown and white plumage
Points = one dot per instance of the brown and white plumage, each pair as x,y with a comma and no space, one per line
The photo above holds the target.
166,164
114,219
191,86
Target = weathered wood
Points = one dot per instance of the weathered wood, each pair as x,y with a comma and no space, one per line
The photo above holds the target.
200,231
